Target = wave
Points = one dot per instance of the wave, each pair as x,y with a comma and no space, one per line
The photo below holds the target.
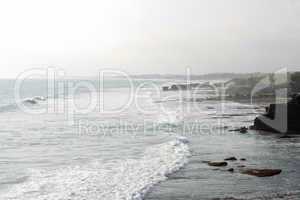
28,101
34,100
124,179
168,122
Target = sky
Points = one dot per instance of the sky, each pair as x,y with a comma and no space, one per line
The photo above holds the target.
149,36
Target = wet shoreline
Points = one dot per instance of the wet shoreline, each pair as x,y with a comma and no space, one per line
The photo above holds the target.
198,180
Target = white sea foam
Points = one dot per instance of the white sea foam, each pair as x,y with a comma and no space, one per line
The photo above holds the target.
170,118
27,102
127,179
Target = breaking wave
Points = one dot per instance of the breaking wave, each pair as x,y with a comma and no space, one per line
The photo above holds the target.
120,179
27,102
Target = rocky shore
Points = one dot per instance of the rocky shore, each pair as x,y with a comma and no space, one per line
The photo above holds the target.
280,118
185,86
242,169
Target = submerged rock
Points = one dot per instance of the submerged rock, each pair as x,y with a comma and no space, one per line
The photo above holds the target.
217,164
165,88
241,130
230,170
30,101
286,136
231,159
262,172
210,107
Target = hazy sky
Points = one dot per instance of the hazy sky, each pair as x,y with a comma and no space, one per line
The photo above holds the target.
149,36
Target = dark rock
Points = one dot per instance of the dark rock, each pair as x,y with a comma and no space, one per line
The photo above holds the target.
234,130
295,99
165,88
174,87
185,86
259,124
223,127
210,107
217,164
182,87
241,130
243,159
230,159
241,166
262,172
31,101
230,170
252,127
280,118
285,136
205,161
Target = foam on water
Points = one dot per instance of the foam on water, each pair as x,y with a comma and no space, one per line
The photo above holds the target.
170,118
119,179
27,102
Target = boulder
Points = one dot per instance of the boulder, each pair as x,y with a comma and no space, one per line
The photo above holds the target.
280,118
230,159
174,87
165,88
243,130
230,170
259,124
262,172
217,164
286,136
243,159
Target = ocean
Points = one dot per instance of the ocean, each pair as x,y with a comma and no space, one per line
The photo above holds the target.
116,141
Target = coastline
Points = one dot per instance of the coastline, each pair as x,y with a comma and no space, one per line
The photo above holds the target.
197,180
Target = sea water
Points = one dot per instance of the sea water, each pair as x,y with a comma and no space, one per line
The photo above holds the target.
153,148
